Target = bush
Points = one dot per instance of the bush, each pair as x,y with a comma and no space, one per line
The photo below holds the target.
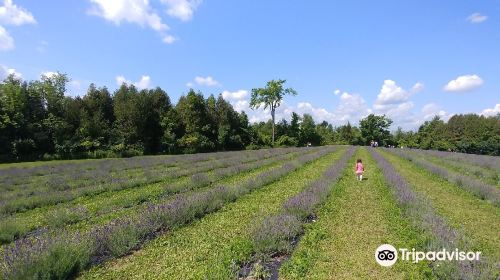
57,258
9,230
276,233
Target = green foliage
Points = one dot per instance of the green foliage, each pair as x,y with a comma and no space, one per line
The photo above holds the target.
375,128
9,230
38,121
59,262
270,97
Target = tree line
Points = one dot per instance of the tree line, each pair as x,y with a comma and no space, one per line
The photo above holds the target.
38,120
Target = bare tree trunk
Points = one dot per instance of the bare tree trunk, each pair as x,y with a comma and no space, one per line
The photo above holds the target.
272,115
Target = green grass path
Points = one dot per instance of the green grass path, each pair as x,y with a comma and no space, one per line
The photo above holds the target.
355,220
210,246
477,218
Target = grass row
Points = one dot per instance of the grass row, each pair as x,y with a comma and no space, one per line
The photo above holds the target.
214,246
274,238
356,219
75,252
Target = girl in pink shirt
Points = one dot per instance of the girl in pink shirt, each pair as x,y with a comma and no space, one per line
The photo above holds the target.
359,170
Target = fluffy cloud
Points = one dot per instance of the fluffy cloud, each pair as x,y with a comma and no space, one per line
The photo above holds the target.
235,95
391,93
143,83
476,18
5,71
6,41
132,11
491,111
140,12
431,110
181,9
11,14
48,74
207,81
352,107
418,87
464,83
169,39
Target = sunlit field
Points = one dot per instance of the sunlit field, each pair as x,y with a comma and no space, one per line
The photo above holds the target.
287,213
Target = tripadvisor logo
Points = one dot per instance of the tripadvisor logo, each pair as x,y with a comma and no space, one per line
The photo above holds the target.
387,255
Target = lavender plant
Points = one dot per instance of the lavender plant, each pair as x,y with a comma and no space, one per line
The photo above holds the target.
62,216
59,189
421,213
58,256
477,188
277,233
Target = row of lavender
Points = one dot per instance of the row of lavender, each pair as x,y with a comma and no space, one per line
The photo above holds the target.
14,228
278,233
420,212
113,171
63,255
113,164
83,170
469,168
36,196
476,187
491,162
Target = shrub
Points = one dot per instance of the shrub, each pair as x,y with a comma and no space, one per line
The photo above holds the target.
276,233
9,230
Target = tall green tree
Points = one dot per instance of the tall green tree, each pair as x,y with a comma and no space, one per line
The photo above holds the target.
375,128
308,132
270,97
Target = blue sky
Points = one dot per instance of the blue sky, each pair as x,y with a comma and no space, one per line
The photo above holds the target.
409,60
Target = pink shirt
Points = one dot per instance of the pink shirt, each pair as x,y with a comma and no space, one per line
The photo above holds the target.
359,168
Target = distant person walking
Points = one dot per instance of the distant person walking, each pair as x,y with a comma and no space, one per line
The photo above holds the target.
359,169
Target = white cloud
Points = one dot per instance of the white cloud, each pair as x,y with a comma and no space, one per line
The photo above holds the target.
121,80
6,41
235,95
352,107
207,81
418,87
431,110
143,83
169,39
48,74
464,83
11,14
394,102
391,93
336,92
491,111
181,9
132,11
5,71
476,18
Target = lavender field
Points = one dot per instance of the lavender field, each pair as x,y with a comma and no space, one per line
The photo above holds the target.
282,213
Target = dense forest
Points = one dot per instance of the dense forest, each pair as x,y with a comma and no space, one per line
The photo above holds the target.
38,120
